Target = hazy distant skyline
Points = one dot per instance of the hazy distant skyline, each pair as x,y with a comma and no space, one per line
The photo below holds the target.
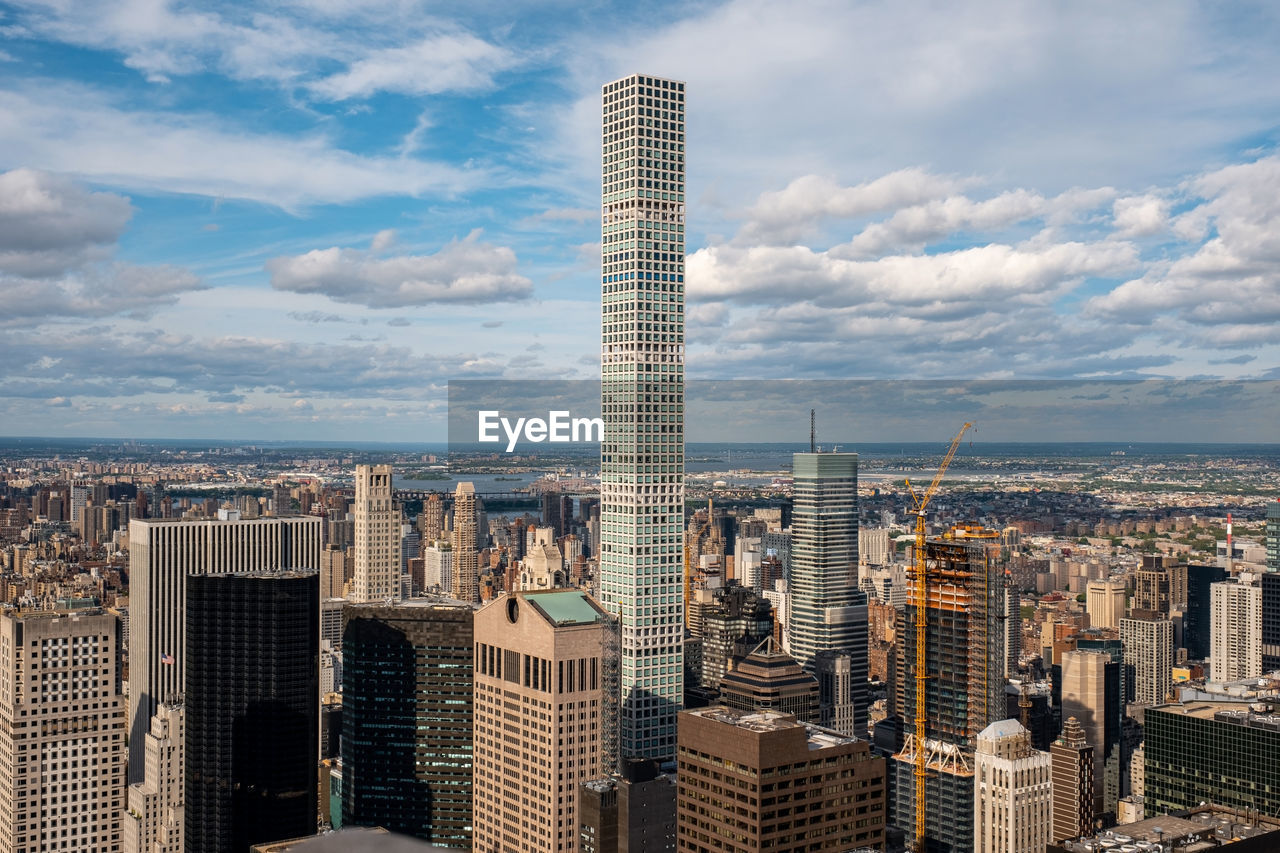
300,219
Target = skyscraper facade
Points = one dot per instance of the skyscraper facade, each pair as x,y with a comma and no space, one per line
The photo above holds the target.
1224,753
466,556
377,536
1197,622
827,610
965,655
1148,659
764,782
407,719
1270,583
538,696
1236,641
253,709
1092,693
62,732
1105,602
154,821
642,352
162,555
1071,759
1273,536
826,605
1012,791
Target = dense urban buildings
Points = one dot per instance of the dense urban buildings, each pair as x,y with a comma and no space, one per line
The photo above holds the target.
757,782
539,689
62,730
642,400
252,718
163,554
377,536
407,718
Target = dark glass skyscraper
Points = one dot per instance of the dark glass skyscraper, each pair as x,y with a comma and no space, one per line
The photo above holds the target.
407,719
253,706
1270,621
1197,621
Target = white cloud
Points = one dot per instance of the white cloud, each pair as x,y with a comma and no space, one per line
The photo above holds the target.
464,271
784,215
49,224
916,226
56,242
71,130
1232,279
99,290
1141,216
907,283
443,62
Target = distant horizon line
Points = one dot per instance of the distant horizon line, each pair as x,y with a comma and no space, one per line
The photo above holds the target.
445,445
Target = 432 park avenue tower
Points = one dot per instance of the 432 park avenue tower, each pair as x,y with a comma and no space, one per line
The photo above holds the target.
642,401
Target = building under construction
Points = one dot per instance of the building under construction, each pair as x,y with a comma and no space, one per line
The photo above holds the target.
964,691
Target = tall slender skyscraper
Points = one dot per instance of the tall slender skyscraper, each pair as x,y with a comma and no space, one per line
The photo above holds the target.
466,557
642,402
377,542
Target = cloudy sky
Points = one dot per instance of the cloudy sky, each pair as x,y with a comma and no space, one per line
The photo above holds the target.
301,218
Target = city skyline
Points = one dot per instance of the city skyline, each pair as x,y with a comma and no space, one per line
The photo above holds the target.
1058,208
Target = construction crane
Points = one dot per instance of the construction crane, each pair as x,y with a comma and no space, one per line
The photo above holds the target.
922,623
688,564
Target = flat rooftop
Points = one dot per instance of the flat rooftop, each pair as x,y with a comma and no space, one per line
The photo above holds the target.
1204,828
1252,714
773,721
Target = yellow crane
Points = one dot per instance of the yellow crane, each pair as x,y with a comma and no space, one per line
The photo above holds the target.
688,564
921,580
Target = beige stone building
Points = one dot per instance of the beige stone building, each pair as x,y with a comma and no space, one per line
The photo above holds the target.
1105,602
538,694
1012,791
154,820
377,537
466,557
62,727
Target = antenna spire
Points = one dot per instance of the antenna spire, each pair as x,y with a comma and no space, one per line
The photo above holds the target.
813,433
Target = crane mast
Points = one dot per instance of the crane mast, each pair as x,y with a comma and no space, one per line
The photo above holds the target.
921,584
